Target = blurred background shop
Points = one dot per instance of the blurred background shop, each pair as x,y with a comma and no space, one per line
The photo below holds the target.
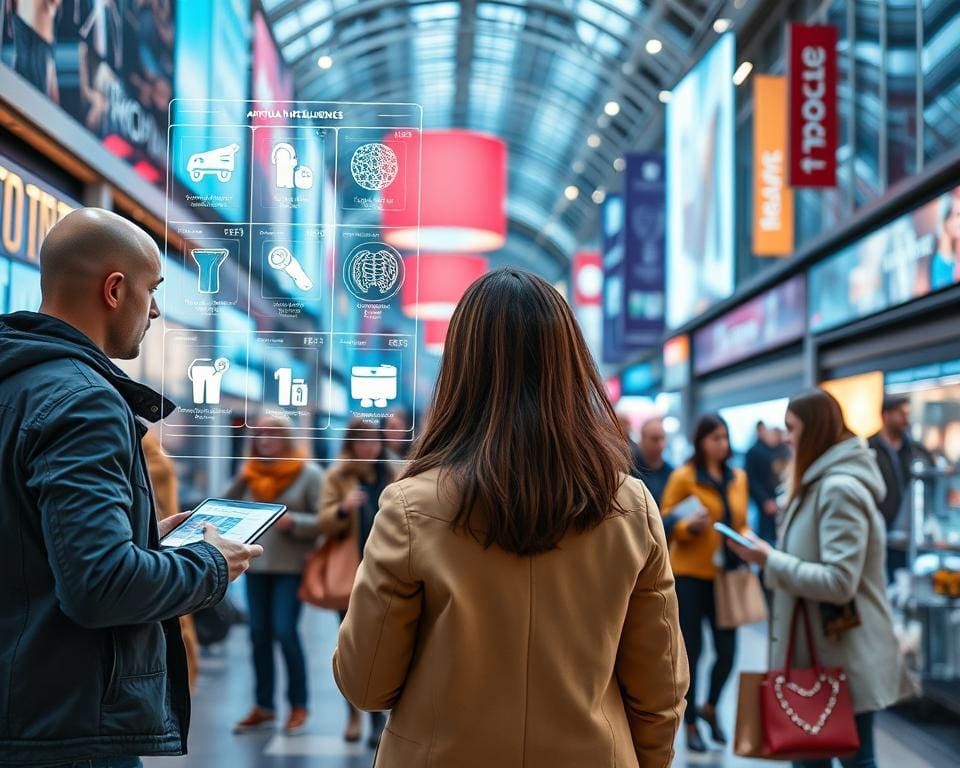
725,239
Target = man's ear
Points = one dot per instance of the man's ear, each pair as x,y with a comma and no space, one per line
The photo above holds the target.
113,289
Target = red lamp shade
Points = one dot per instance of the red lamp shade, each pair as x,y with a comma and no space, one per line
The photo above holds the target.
587,278
442,279
463,191
435,335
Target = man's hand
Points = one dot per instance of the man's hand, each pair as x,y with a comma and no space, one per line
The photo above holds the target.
770,507
699,522
237,555
167,525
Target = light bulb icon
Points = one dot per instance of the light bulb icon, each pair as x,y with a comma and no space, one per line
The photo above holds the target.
282,260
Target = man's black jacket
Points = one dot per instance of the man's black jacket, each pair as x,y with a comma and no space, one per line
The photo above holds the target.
91,659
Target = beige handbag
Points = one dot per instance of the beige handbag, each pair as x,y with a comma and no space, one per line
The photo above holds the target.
739,599
748,738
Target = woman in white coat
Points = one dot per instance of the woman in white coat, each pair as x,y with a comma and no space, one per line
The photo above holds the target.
832,550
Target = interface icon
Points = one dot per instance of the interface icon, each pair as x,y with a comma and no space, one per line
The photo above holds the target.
291,391
219,162
290,175
373,272
206,375
209,261
283,260
373,386
374,166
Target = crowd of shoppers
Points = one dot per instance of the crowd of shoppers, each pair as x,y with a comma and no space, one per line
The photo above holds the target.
276,471
596,650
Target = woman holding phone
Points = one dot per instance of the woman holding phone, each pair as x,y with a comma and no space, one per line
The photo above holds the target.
515,604
832,552
704,491
350,502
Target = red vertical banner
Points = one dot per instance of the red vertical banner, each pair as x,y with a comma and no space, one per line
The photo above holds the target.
587,278
812,69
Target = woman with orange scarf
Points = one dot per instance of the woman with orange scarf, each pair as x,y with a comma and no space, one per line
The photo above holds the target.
278,471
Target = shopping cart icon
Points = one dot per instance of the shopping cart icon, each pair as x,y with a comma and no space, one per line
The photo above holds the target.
220,161
373,385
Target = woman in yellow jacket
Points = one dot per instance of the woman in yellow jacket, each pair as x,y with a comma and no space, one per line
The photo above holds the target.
697,553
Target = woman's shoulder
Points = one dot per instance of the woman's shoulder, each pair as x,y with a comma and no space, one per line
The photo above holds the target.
685,473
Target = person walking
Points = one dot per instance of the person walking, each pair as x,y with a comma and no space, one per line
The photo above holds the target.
93,666
652,468
761,464
278,471
698,554
515,603
832,546
350,504
896,455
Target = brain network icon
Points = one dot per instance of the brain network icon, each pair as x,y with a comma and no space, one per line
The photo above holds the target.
373,271
374,166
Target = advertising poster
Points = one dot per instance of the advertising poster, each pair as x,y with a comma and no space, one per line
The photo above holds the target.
812,71
772,319
644,251
910,257
700,186
109,65
772,197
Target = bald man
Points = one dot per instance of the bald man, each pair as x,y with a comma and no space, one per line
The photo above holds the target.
91,659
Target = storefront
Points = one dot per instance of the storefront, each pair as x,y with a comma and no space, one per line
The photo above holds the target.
884,319
749,361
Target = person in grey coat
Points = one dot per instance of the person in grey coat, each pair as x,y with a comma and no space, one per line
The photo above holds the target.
278,471
832,550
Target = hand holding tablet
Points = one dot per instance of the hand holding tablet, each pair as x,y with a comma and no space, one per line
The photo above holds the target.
238,521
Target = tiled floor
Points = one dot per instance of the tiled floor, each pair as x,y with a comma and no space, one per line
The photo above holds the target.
224,696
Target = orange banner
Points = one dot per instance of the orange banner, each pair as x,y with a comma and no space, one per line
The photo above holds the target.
772,198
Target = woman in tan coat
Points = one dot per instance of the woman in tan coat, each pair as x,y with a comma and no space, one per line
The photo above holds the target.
515,603
348,507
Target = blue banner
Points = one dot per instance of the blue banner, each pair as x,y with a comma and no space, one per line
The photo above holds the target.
644,251
611,245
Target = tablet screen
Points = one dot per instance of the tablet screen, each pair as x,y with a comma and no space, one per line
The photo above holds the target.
241,521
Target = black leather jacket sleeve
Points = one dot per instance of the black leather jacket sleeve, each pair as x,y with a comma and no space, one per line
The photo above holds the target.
83,468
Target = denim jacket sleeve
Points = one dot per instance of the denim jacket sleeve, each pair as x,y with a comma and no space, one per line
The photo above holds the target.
77,459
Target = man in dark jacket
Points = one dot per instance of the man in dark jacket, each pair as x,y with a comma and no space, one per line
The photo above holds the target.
91,659
896,454
760,465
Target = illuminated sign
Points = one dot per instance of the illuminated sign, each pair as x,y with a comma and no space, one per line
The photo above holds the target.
812,61
772,198
30,208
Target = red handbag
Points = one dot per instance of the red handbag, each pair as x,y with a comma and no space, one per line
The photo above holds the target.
807,714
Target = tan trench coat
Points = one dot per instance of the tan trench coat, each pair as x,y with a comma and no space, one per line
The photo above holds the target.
567,659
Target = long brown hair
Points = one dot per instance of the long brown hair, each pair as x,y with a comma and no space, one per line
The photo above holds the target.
823,427
520,418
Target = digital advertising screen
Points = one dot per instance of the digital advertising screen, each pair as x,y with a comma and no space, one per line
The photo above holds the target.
700,185
910,257
107,64
320,342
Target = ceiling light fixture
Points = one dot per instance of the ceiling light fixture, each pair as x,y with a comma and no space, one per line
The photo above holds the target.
593,141
665,97
722,25
612,108
599,196
577,166
325,62
619,164
571,193
738,4
742,73
654,46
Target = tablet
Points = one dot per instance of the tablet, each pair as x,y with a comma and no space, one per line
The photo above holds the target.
243,521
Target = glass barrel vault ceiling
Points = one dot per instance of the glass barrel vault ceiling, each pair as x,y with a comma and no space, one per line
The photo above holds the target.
536,73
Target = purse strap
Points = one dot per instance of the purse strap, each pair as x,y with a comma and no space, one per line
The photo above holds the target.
800,611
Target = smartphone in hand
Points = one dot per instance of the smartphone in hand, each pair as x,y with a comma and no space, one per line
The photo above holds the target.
727,531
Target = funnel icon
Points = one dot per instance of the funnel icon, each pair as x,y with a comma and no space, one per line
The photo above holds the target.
209,261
